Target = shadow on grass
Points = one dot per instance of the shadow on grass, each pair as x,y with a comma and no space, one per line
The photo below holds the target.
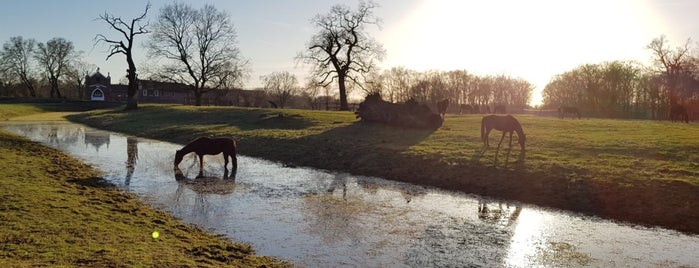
156,117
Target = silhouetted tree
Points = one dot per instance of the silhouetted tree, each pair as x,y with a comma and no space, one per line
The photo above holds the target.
76,74
54,57
200,46
674,65
125,46
15,58
281,86
342,49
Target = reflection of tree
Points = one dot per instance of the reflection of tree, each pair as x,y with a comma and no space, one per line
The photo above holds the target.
131,158
192,196
196,205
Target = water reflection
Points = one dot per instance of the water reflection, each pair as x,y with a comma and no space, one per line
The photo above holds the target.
316,218
131,158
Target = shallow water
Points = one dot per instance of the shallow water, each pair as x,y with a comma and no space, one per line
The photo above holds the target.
323,219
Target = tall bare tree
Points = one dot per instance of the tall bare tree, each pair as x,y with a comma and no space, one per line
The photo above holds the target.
281,86
342,50
200,47
16,58
129,31
54,57
674,65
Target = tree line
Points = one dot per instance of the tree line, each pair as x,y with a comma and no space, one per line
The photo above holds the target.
626,89
198,48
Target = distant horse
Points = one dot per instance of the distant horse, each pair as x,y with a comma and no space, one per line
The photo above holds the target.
209,146
678,112
506,124
442,107
563,110
500,109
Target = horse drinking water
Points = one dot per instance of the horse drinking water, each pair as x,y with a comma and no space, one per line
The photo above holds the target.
506,124
209,146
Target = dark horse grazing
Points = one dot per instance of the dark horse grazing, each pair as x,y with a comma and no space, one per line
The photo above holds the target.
563,110
678,112
442,107
209,146
506,123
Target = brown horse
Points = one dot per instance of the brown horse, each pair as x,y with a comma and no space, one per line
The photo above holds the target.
209,146
506,124
678,112
563,110
442,107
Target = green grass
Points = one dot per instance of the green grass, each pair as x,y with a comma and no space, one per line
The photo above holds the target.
57,211
620,169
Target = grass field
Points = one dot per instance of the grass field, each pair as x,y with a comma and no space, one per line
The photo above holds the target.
56,211
641,171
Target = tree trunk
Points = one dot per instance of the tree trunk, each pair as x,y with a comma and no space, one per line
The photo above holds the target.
131,102
343,92
197,96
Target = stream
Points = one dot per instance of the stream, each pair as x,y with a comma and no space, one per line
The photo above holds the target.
318,218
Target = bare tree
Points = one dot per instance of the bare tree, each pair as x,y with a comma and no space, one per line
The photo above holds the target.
16,58
674,65
200,47
76,75
342,49
281,86
129,31
54,57
311,93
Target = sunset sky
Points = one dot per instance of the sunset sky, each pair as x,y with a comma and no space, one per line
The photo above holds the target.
534,40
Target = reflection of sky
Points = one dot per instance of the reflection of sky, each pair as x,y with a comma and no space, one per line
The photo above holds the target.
316,218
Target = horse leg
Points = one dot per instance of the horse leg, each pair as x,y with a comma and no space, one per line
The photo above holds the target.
485,138
225,162
501,138
201,165
510,140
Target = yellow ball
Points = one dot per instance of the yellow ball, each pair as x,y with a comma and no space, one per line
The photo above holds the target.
155,234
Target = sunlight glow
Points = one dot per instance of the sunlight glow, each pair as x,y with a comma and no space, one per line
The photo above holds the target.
534,40
526,235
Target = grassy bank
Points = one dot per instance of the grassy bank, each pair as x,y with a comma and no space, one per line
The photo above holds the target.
644,172
56,211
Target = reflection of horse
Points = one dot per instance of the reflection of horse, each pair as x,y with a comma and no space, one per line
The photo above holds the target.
209,146
504,216
563,110
505,124
678,112
442,107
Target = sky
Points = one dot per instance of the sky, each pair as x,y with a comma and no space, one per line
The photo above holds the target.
530,39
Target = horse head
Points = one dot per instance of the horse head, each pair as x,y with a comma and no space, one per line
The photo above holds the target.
522,139
178,157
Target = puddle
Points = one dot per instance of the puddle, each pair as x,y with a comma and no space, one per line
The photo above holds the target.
323,219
